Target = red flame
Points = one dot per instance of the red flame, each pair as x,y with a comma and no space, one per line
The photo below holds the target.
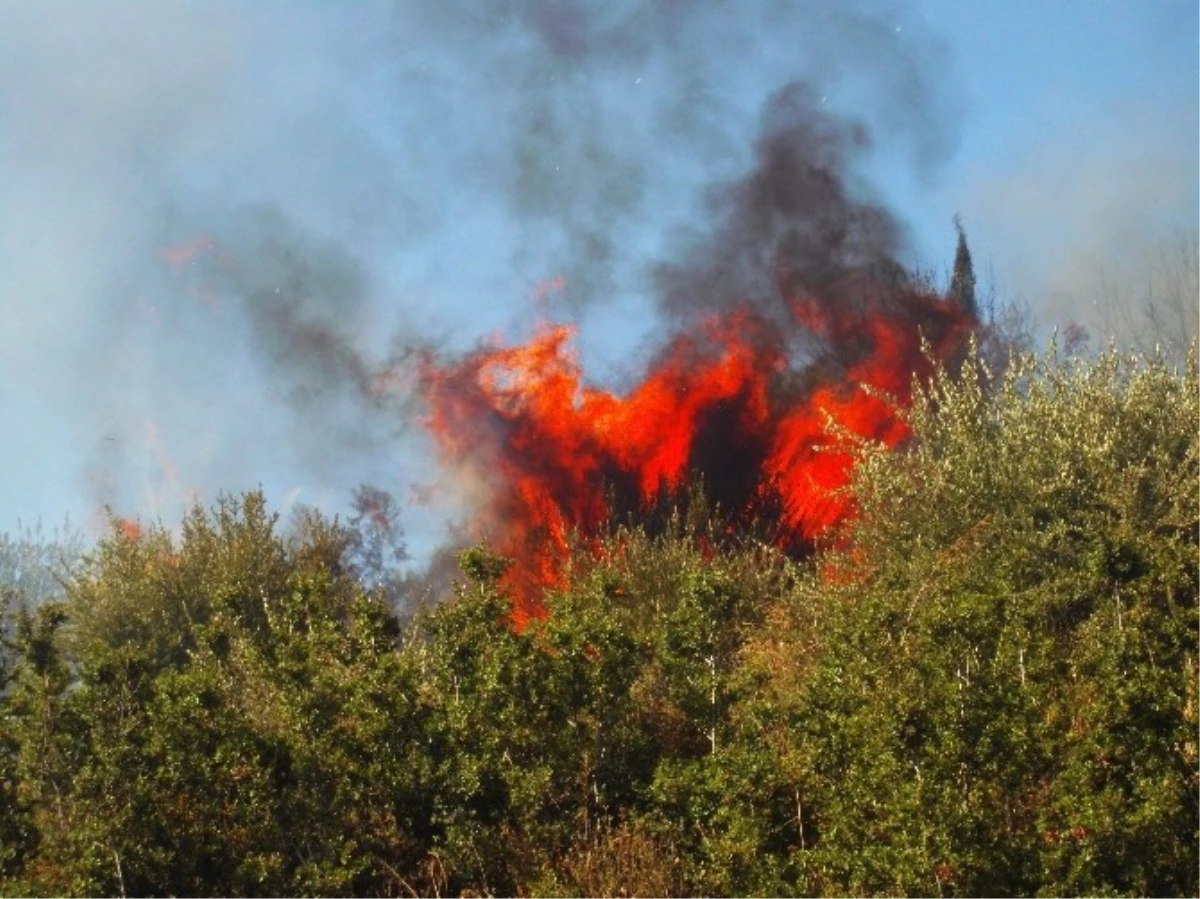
181,255
728,401
169,485
184,257
127,528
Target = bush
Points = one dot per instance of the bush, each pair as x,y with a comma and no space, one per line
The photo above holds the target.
987,684
1004,701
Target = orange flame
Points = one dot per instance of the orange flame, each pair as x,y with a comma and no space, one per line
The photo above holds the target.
179,256
727,402
168,475
127,528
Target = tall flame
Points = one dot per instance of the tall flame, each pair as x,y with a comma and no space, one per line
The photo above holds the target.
728,401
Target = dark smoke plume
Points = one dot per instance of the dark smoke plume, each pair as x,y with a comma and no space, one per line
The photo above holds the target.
795,223
413,172
306,301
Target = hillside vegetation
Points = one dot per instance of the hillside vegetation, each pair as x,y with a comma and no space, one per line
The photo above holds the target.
985,685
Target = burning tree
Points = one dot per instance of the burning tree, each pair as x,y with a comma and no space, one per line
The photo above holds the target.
792,333
728,403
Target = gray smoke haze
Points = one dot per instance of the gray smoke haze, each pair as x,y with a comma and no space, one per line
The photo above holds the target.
1076,174
1118,222
223,225
793,218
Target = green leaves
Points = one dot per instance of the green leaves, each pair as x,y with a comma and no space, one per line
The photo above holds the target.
986,685
1001,682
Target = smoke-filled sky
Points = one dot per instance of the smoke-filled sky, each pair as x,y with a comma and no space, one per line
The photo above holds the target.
221,224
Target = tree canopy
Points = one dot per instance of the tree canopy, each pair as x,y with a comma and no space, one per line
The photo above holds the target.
986,684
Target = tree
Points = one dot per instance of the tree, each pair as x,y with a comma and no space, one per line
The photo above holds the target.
1003,699
985,683
1004,323
599,740
656,626
38,736
229,714
1152,302
962,279
35,564
375,544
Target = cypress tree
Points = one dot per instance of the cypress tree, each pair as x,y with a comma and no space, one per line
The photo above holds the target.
962,281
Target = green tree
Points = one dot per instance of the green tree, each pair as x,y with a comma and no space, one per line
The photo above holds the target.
44,741
652,631
962,278
598,743
499,736
1003,700
228,715
985,684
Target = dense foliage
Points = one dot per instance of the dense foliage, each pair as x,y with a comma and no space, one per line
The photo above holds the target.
987,685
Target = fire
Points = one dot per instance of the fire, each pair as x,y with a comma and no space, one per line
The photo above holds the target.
179,256
542,291
169,486
128,529
183,258
728,401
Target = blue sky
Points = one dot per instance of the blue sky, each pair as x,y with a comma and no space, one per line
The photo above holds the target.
419,168
1079,140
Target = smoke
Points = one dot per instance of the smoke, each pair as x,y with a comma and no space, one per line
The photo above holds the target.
1119,221
230,226
1078,181
792,224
